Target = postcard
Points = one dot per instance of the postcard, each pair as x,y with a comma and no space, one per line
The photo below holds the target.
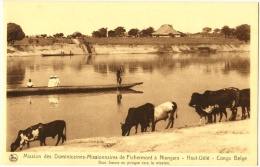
129,83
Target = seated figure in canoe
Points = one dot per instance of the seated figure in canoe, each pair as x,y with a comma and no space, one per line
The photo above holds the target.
54,81
29,84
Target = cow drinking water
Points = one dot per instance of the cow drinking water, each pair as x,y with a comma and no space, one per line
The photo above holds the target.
164,111
40,132
142,115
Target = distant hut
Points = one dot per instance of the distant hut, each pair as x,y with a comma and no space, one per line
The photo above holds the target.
166,30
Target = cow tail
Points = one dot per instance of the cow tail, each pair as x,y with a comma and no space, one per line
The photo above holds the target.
174,108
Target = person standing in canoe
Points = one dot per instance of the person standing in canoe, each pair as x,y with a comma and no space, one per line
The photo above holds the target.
29,84
118,75
54,81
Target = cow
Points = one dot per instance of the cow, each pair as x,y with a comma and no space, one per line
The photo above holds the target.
244,102
40,132
142,115
209,115
220,99
163,111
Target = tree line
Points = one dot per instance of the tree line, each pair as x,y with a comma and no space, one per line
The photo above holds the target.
241,32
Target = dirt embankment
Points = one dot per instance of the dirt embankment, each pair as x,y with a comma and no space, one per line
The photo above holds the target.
28,50
224,137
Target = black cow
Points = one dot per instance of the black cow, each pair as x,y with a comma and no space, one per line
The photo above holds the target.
220,99
40,132
244,102
142,115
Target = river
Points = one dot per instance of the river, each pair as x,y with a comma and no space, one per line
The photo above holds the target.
171,77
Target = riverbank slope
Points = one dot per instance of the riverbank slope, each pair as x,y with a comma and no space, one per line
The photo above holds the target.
97,49
224,137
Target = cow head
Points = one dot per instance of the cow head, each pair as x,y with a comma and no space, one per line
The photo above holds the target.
124,128
16,144
195,100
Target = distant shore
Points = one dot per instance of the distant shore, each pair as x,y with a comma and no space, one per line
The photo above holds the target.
223,137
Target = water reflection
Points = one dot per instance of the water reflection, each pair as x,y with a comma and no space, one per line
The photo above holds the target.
119,98
106,65
54,100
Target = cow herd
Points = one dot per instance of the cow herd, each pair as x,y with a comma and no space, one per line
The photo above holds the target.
207,105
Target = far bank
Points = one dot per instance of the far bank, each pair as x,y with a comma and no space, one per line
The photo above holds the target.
97,49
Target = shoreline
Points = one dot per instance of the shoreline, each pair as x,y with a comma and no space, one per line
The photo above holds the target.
208,138
107,49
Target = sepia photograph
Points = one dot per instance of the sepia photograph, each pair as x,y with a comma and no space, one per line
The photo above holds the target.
129,83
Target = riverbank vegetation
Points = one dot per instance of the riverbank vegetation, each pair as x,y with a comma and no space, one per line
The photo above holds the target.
224,36
136,41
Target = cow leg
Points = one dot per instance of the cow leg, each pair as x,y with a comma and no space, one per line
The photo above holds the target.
248,112
215,115
28,144
234,114
171,119
209,118
136,127
243,112
220,117
129,131
59,137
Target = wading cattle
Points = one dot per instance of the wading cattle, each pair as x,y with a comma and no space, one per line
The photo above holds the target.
220,99
164,111
40,132
142,115
244,102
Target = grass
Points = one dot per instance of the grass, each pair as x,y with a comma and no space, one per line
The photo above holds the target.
165,41
139,41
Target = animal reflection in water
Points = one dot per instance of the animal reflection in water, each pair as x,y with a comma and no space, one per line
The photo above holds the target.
40,132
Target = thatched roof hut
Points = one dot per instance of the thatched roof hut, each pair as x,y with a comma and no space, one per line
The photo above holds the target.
166,30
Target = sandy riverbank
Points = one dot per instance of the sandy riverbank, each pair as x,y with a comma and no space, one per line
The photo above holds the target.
224,137
29,50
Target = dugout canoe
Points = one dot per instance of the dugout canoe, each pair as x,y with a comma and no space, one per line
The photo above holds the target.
24,91
59,54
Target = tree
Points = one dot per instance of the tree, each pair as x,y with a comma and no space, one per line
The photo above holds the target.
206,30
147,32
242,32
96,34
14,33
216,30
111,33
43,35
103,32
226,31
119,31
76,34
133,32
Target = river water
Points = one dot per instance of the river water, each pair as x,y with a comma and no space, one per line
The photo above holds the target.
171,77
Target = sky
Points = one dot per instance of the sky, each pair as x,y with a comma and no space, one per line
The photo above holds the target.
49,17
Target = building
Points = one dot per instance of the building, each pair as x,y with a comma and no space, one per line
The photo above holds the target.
166,30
